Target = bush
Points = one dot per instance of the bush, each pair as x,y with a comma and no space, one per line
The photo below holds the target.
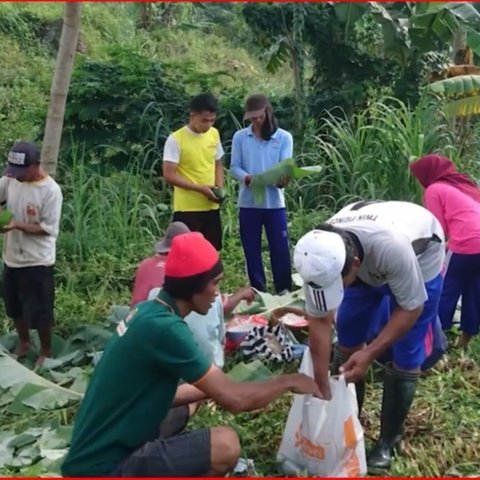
24,87
114,105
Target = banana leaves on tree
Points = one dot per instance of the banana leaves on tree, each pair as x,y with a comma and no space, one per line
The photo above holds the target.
462,85
464,89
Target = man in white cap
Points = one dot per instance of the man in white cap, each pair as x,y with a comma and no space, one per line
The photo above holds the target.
389,255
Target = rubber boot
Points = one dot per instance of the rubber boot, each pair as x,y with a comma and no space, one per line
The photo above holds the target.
398,393
339,358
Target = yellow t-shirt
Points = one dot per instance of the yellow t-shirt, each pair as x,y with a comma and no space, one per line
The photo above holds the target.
197,164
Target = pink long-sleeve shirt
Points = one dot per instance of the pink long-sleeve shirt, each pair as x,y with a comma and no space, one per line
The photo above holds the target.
150,274
459,215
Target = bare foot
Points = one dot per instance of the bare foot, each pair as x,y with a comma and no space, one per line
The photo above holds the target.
41,358
21,349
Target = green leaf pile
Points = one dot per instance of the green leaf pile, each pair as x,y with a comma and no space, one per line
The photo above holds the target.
24,390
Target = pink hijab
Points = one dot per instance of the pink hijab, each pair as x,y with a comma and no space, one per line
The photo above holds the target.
434,168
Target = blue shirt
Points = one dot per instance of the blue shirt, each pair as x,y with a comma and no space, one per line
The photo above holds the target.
253,156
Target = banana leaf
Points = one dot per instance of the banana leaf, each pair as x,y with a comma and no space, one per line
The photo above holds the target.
272,302
463,107
25,390
265,303
462,85
297,280
286,168
254,371
5,217
37,449
118,313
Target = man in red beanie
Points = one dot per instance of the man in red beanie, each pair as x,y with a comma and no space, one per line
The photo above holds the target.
131,420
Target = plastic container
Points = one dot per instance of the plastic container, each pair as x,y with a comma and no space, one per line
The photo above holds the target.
238,333
300,333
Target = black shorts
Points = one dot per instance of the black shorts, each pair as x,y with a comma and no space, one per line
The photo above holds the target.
29,295
173,454
208,223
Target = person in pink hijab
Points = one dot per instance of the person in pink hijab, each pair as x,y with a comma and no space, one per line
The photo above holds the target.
454,198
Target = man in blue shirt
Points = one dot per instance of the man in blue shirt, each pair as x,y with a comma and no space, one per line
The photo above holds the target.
256,149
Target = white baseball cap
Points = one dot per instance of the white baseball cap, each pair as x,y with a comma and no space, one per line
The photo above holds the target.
319,258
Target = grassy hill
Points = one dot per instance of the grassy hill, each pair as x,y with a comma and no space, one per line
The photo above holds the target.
29,34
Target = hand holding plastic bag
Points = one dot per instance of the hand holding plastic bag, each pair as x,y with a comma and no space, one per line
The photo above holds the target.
324,438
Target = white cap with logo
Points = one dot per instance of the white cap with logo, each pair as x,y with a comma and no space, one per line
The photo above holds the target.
319,258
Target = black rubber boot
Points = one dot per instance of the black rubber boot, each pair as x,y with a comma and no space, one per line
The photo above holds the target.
398,393
339,358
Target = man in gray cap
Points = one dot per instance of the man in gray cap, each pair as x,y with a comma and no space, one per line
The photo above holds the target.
151,271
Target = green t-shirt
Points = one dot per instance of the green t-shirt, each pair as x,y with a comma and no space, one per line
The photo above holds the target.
133,387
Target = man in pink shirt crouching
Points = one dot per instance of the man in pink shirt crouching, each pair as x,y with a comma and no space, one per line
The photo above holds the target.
151,271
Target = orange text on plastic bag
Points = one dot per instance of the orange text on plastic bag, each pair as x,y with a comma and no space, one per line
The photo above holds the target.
307,447
350,438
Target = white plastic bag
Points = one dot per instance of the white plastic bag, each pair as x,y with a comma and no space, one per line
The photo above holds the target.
323,438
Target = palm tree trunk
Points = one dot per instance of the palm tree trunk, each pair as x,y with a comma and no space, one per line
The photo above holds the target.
60,85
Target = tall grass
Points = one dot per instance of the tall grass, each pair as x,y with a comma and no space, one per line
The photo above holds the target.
109,224
114,212
367,156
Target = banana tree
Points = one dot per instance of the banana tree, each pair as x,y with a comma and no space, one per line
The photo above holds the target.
414,28
422,26
290,46
415,32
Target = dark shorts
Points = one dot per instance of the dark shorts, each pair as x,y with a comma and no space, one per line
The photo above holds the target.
208,223
29,295
173,454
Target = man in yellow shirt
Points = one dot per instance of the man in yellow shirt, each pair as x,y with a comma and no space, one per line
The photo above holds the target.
192,164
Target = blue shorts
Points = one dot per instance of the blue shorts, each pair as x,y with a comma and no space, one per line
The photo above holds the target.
365,310
462,279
